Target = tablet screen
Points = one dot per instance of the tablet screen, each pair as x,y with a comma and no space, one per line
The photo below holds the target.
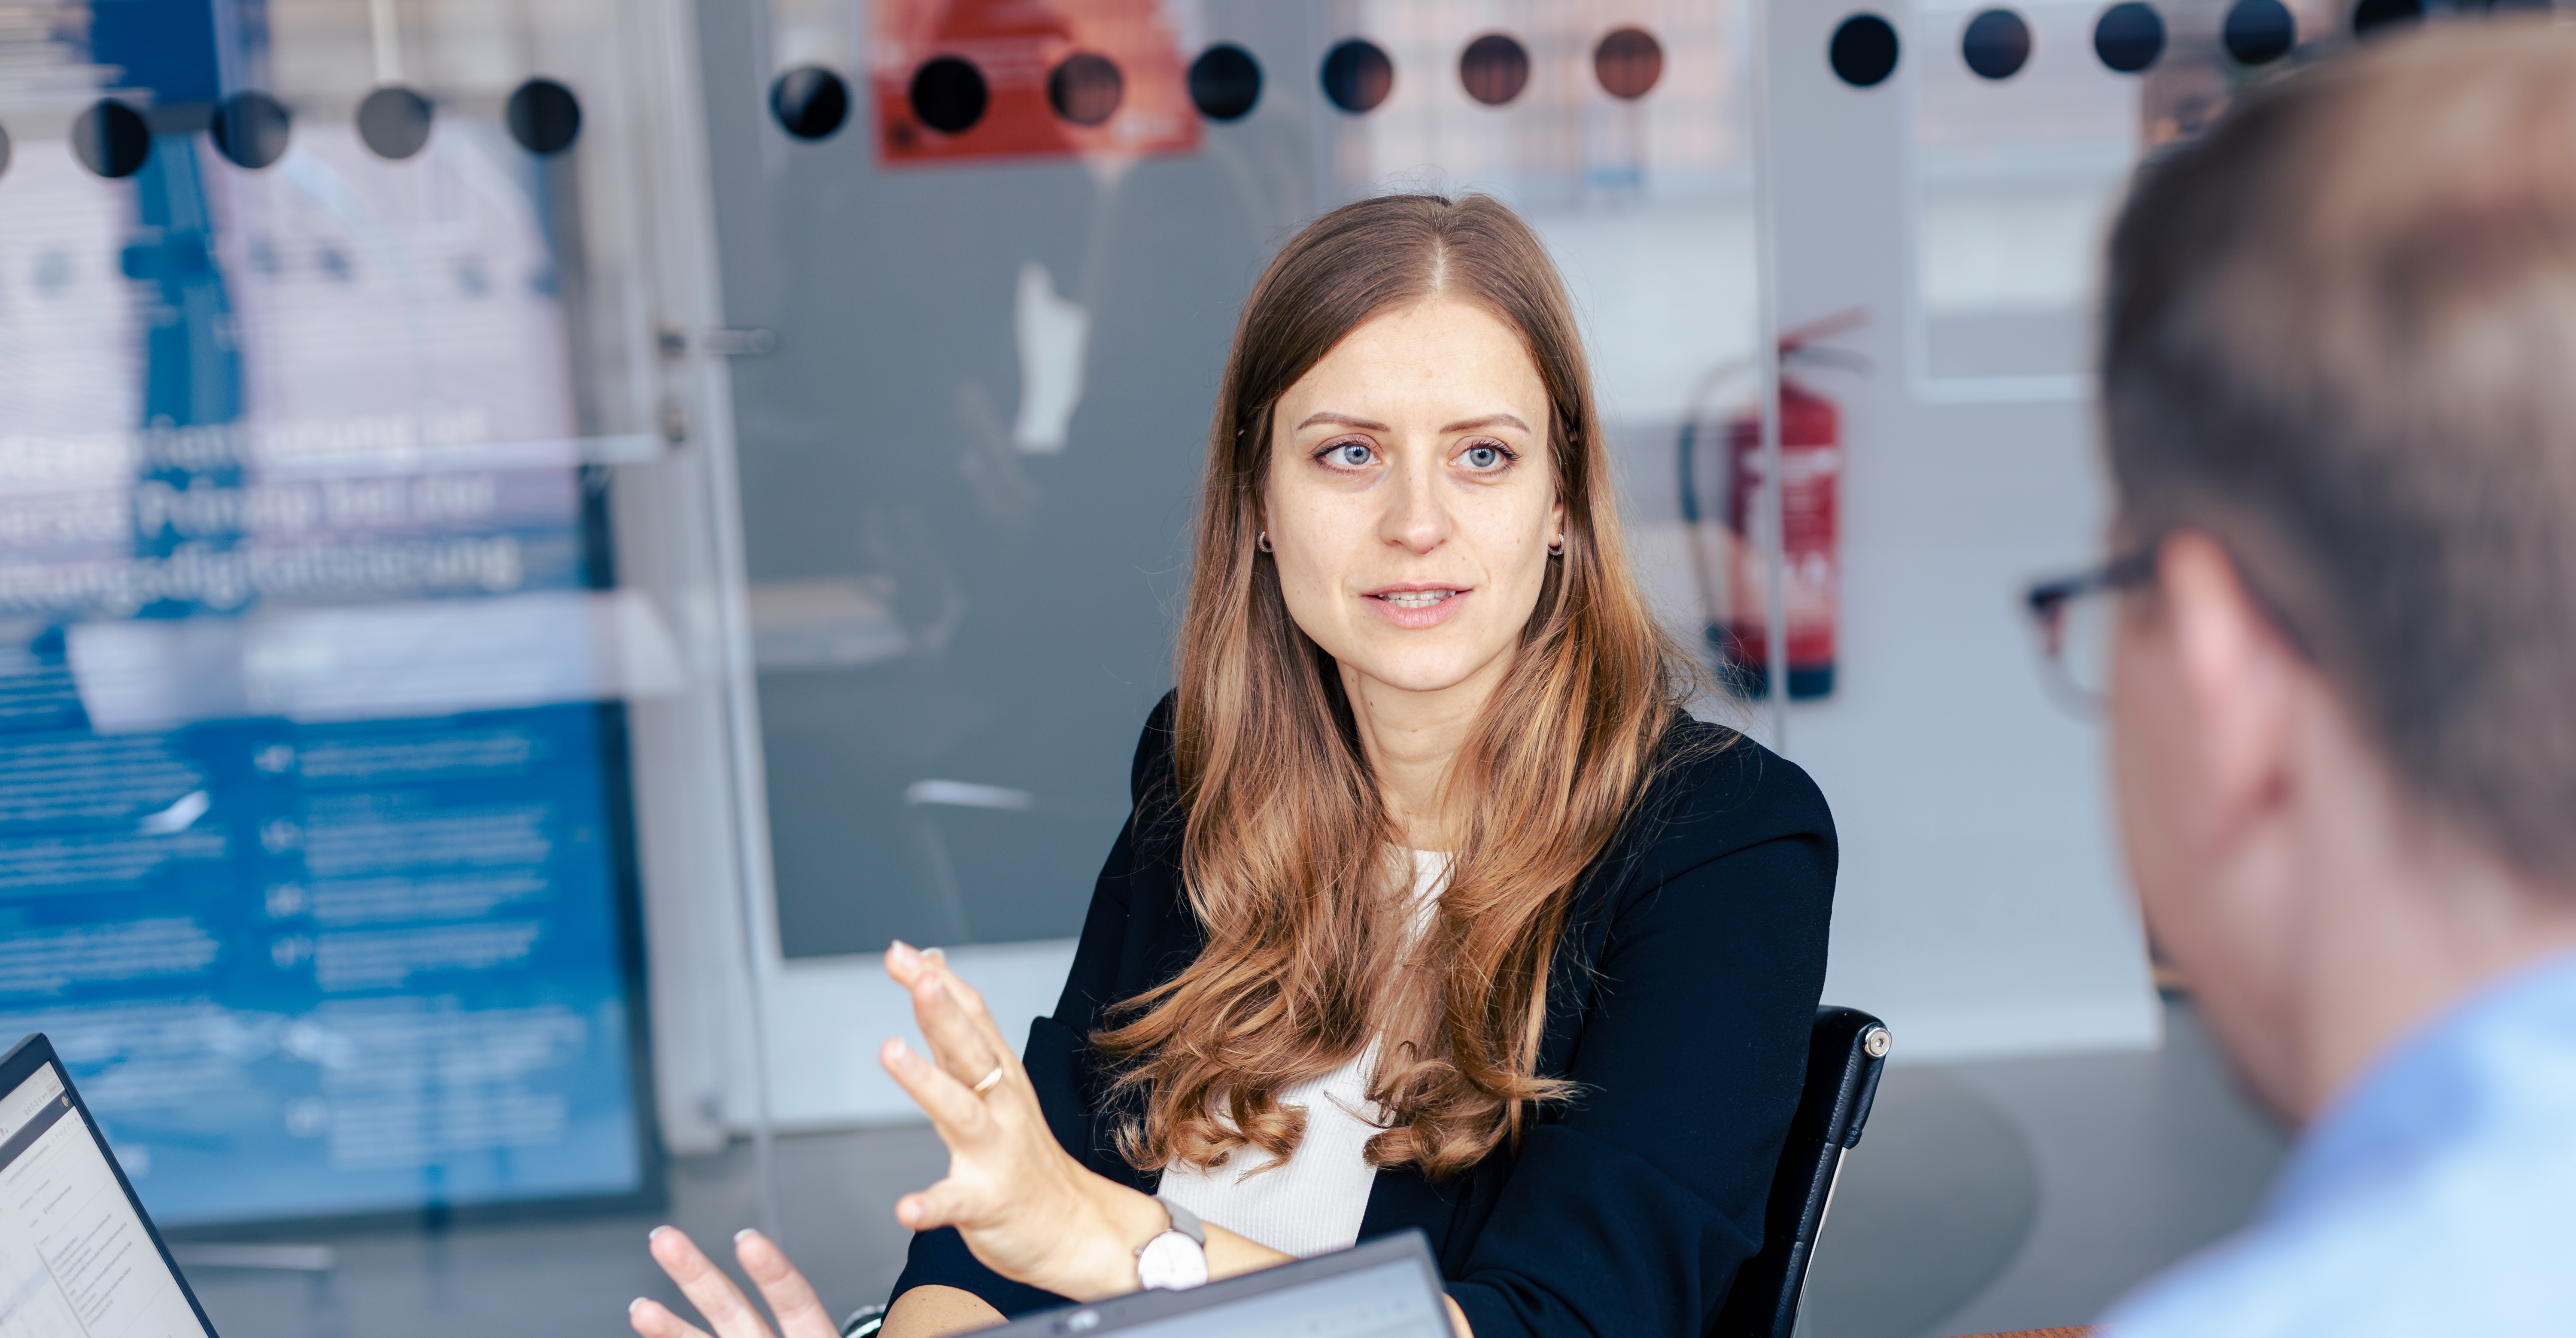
76,1260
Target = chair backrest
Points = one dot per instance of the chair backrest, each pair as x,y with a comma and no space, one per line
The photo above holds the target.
1845,1052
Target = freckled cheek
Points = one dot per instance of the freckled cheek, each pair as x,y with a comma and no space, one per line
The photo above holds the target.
1312,562
1329,537
1299,582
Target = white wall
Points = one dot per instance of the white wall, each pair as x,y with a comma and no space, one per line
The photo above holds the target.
1980,909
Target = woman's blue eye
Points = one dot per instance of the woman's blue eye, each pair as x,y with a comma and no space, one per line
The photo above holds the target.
1483,457
1350,455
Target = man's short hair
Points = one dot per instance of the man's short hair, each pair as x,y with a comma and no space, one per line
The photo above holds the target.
2341,340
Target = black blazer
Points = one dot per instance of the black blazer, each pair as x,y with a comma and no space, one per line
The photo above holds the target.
1680,1000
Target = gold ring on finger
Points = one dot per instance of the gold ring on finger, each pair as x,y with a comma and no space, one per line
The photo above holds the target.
989,1081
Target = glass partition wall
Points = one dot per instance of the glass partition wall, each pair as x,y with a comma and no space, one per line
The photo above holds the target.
995,253
352,543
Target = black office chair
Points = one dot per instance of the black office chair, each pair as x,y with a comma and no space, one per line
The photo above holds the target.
1845,1052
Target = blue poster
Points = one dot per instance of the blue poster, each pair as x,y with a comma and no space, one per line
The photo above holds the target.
314,860
315,969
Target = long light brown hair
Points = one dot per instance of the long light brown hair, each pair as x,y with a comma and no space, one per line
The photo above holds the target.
1290,859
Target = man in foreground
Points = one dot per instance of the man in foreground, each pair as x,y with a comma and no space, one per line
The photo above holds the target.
2340,395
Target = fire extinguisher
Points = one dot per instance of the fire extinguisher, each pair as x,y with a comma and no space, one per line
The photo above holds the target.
1738,592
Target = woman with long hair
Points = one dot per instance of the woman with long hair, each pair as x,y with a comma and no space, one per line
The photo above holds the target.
1434,909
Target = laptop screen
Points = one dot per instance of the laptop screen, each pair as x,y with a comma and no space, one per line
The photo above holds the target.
1389,1301
1384,1288
76,1260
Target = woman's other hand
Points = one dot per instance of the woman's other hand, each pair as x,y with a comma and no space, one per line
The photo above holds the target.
1027,1209
800,1313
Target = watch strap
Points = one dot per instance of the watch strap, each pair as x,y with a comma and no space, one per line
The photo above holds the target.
1184,1221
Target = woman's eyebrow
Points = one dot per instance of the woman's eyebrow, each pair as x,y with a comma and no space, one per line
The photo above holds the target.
1344,420
1489,420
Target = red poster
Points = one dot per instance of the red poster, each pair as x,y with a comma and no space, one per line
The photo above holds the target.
969,79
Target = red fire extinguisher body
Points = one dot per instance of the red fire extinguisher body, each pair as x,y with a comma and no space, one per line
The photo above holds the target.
1811,466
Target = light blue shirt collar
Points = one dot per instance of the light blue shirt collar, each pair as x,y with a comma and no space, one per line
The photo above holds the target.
2431,1197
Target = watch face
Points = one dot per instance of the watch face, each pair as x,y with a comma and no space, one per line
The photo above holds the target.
1171,1262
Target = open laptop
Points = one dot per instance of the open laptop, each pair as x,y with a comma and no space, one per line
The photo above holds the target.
1386,1288
78,1255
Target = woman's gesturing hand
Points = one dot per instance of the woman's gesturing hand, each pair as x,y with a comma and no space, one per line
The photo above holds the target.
800,1313
1026,1208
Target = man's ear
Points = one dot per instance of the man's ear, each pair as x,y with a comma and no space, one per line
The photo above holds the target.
2240,678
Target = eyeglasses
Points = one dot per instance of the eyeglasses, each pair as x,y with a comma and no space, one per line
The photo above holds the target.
2075,617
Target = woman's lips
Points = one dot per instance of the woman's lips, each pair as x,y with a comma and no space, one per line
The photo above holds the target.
1418,608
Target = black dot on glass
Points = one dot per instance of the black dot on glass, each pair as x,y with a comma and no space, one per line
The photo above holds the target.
809,101
251,129
1494,69
948,94
1996,44
544,117
1863,52
4,151
2258,32
394,122
1628,62
2372,16
1358,75
2129,37
111,139
1086,88
1224,82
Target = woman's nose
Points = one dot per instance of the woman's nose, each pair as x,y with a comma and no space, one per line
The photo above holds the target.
1417,517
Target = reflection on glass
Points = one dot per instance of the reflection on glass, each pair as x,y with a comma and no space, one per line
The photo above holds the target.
311,834
964,79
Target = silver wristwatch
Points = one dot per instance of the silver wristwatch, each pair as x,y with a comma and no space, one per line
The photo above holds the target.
1175,1260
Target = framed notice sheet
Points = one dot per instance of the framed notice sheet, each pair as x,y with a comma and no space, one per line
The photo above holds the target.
314,859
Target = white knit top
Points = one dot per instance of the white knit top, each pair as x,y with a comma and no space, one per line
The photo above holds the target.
1314,1203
